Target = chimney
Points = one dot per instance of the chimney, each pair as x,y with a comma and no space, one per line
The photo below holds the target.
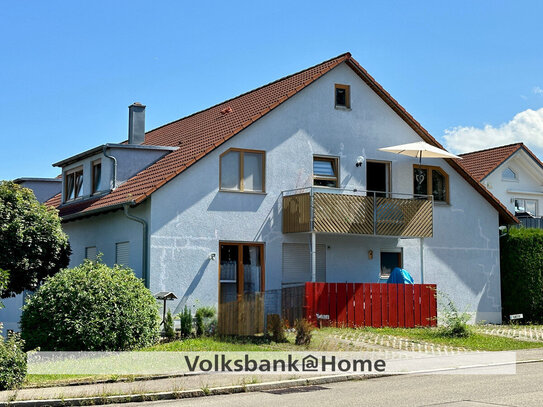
136,123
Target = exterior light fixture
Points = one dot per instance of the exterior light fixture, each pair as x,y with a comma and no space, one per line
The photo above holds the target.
359,161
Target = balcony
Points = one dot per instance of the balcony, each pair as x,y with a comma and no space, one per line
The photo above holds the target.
324,210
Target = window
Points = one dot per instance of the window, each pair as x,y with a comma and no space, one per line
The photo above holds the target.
343,96
121,253
96,175
325,172
390,259
90,253
73,184
509,175
526,206
431,181
242,170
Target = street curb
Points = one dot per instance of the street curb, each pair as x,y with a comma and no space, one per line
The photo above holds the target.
173,395
216,391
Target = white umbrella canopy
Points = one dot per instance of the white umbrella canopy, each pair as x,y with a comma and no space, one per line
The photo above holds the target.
419,149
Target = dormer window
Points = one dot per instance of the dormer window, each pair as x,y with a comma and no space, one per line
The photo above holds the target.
73,184
509,175
96,175
343,96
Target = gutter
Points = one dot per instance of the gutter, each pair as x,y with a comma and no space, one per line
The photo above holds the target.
114,172
145,239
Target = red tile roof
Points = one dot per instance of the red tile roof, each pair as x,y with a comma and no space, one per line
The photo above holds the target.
481,163
200,133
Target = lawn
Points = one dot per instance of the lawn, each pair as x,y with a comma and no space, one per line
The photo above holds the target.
325,339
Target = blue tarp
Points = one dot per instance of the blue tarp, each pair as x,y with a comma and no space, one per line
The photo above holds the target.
400,276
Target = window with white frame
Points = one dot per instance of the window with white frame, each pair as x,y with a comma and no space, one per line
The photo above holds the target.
390,259
509,175
90,253
526,206
73,184
121,253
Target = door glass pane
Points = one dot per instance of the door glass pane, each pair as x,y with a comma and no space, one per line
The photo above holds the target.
439,188
230,170
251,269
420,181
229,272
252,172
531,206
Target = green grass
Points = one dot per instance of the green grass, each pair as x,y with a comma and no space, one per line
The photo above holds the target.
476,341
222,344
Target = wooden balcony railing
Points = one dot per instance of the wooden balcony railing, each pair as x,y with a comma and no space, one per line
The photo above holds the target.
357,212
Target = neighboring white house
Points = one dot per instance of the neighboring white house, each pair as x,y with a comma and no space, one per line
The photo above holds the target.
513,174
217,204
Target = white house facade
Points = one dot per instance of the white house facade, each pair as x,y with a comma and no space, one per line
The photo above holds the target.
203,215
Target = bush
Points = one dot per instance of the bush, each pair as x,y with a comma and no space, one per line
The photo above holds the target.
12,362
186,322
169,331
91,307
452,324
521,274
204,320
276,328
303,332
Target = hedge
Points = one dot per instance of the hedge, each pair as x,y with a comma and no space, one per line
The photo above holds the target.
521,274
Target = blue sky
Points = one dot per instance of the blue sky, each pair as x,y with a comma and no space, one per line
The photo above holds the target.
468,70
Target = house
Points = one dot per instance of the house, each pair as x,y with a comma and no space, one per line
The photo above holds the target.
514,175
269,189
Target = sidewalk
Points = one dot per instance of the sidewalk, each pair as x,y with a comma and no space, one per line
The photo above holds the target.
201,383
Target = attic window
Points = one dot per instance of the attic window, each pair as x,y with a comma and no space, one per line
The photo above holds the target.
343,96
242,170
509,175
73,184
96,175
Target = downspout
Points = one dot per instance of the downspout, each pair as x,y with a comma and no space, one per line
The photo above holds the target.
144,255
114,175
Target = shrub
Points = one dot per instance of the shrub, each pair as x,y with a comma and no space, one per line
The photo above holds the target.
204,319
276,328
91,307
521,274
452,324
12,362
186,322
303,332
169,331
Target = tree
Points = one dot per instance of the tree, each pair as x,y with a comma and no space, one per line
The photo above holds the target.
32,243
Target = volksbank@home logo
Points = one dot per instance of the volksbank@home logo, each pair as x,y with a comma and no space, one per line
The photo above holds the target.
328,363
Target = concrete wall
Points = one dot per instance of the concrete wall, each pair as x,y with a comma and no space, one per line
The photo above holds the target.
529,180
189,216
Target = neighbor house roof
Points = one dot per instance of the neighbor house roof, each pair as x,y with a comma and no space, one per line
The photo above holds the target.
481,163
200,133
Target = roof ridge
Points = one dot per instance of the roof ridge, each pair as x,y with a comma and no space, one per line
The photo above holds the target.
519,143
344,56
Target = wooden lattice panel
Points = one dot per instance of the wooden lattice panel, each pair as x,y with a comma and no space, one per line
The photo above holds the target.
297,213
404,217
338,213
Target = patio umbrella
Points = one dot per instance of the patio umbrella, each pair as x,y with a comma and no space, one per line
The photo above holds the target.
419,149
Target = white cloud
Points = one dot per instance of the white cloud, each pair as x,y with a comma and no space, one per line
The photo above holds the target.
537,90
526,126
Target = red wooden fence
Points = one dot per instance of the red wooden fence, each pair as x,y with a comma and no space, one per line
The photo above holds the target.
371,304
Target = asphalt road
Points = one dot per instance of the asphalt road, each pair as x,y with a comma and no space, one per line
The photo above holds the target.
522,389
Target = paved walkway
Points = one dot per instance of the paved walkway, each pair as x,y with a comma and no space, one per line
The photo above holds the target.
192,382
